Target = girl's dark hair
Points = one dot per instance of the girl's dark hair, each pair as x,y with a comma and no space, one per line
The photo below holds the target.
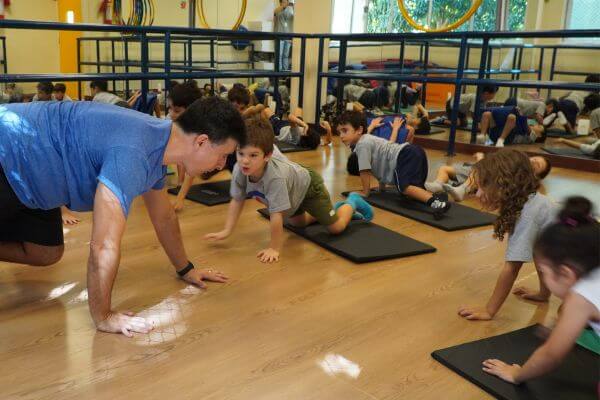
574,240
591,102
368,99
424,127
554,103
312,140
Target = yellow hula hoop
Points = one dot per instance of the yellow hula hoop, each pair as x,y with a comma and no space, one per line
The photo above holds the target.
202,15
476,4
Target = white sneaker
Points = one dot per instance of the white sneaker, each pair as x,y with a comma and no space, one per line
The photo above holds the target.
500,143
480,138
434,187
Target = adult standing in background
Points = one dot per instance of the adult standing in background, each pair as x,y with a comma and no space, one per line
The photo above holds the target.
284,23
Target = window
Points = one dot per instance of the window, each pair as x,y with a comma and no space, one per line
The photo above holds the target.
583,14
348,16
383,16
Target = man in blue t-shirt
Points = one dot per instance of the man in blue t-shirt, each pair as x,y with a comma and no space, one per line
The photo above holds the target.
98,157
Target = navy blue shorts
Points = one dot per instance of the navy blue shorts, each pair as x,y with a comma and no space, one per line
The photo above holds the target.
411,167
500,115
277,124
570,109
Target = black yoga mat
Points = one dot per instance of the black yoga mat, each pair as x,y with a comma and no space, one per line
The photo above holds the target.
361,242
290,148
209,194
457,218
567,151
575,379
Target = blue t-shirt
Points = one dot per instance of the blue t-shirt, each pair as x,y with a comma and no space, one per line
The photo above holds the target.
55,153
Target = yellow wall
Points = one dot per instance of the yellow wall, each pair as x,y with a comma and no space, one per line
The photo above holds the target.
68,41
30,51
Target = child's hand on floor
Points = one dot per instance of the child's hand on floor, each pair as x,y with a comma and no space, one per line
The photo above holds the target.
479,156
268,255
217,235
502,370
474,313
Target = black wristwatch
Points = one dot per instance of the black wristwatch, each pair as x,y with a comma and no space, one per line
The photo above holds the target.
185,269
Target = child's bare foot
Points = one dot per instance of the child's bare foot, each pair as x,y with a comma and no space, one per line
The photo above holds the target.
68,218
474,313
529,294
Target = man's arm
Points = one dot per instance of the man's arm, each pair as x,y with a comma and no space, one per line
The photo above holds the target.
103,263
166,225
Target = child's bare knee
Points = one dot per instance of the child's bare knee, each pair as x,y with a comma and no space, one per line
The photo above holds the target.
43,256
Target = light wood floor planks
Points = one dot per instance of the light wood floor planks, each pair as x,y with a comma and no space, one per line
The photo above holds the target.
264,334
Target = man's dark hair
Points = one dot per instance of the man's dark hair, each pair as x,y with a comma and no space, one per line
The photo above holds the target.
239,94
356,119
368,99
100,84
214,117
60,87
45,87
184,94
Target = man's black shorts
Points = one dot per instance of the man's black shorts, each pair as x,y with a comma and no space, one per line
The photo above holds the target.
21,224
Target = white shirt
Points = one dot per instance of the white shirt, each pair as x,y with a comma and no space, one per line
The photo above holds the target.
589,288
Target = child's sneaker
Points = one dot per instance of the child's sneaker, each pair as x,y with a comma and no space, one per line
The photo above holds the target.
439,204
434,187
360,205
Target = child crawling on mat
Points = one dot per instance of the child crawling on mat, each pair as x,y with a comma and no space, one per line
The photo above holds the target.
461,176
507,184
289,190
403,165
568,255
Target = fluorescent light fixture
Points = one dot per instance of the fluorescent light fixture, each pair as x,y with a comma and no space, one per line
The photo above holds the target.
70,17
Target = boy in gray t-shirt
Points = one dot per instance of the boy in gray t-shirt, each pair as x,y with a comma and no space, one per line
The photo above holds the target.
403,165
289,191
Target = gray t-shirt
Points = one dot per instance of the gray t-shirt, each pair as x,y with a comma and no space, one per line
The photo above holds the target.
378,155
466,104
284,21
537,213
353,92
595,119
289,134
531,107
282,187
106,97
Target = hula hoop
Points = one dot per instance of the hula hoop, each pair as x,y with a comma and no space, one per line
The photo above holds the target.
202,15
476,4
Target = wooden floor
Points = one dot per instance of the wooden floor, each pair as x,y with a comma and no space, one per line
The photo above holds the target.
267,333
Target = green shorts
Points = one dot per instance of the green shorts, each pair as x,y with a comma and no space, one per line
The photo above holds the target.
317,201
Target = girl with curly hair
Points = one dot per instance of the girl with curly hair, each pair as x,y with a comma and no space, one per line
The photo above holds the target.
507,184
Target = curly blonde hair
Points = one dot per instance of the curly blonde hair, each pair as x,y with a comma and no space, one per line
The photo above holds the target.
506,180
